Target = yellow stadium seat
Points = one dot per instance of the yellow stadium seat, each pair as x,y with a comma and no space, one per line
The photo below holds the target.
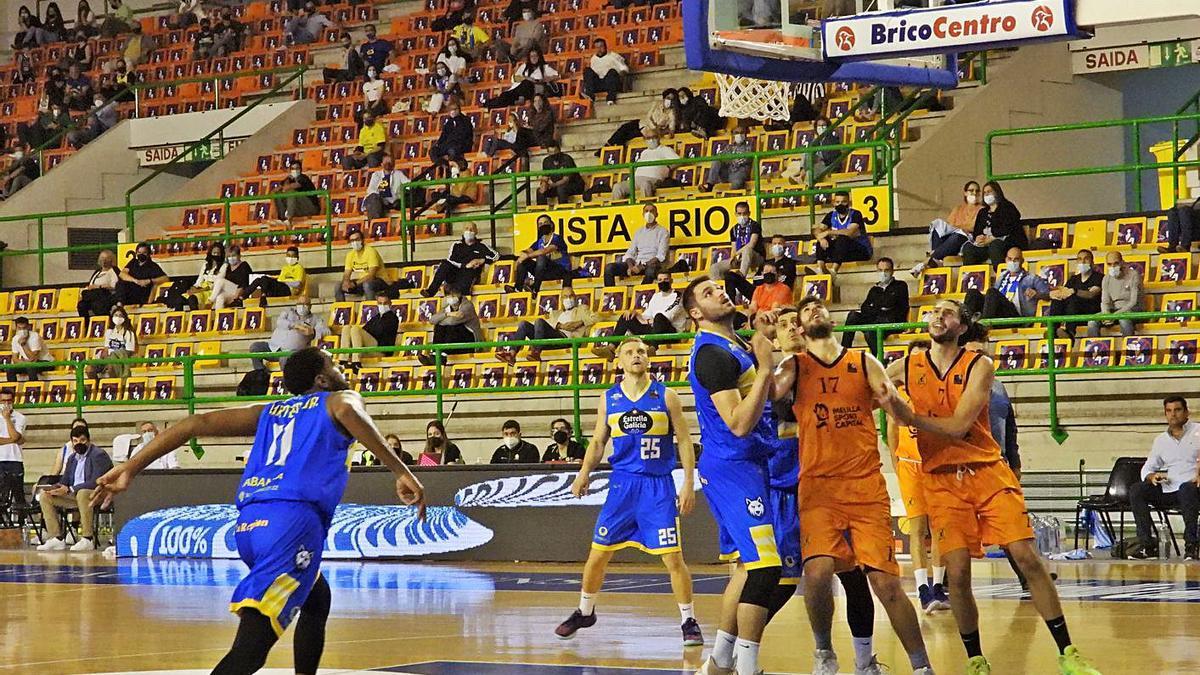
1175,302
1053,271
818,286
200,322
974,277
1132,232
50,329
1139,350
1091,234
341,314
4,298
228,321
68,299
1172,269
209,347
462,376
935,282
399,379
162,387
1096,352
614,299
109,389
45,300
173,323
518,305
22,302
369,380
136,389
1181,349
488,306
31,393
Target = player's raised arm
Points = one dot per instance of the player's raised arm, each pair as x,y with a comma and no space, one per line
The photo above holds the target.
687,454
235,422
347,409
720,376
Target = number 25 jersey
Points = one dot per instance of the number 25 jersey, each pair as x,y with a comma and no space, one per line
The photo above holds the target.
299,455
642,438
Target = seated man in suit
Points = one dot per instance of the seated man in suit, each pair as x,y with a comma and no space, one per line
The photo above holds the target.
74,491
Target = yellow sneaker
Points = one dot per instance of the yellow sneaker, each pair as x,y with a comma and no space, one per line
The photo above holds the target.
1071,662
978,665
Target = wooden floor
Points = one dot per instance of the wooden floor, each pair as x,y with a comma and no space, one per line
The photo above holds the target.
79,613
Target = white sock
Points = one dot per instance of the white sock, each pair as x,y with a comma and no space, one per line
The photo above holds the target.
747,657
864,649
587,604
939,575
686,612
922,576
722,653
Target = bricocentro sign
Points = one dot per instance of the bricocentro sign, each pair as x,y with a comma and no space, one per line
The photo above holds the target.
950,28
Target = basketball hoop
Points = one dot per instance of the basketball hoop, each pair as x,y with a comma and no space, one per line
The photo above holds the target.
746,97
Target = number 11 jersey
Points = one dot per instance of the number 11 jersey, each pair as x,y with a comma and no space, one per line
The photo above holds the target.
642,438
299,455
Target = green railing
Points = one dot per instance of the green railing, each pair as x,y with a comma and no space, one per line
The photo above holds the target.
130,211
211,77
1136,167
192,399
881,173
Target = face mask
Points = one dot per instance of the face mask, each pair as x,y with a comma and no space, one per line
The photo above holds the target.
452,301
1013,266
147,436
649,217
742,220
143,258
372,74
886,277
453,49
1083,268
652,144
739,139
454,171
356,245
568,303
842,209
19,155
776,251
118,320
295,173
989,199
468,237
528,16
664,286
435,440
1114,271
383,309
234,260
821,129
98,102
561,436
397,449
769,278
291,260
972,200
81,448
302,310
683,100
511,442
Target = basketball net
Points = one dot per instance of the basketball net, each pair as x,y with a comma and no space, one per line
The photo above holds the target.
748,98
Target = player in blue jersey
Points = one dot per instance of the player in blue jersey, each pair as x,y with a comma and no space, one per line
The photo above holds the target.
295,475
731,392
645,421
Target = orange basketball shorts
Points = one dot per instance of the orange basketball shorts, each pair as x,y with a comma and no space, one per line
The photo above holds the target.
977,505
847,519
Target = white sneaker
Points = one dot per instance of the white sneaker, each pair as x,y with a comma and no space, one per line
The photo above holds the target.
872,668
927,670
824,662
917,269
54,544
84,545
710,668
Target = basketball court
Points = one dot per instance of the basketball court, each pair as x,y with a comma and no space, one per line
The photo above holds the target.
71,613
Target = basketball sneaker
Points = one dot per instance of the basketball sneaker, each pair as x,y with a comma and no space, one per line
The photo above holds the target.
1071,662
84,544
710,668
824,662
872,668
567,629
978,665
941,601
925,593
692,637
53,544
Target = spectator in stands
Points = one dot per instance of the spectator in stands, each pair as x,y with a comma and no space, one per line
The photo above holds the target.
55,90
746,241
397,447
1178,230
148,431
203,41
841,236
79,51
456,322
547,258
1120,293
439,449
516,138
663,314
445,88
186,14
997,228
138,47
101,118
456,140
648,252
99,295
824,134
28,349
1169,481
192,293
78,93
120,342
32,34
542,121
1079,295
372,144
564,448
574,320
516,8
307,26
455,58
122,79
514,450
54,23
946,237
605,73
74,491
733,171
22,170
375,51
118,20
139,277
227,33
48,126
228,293
526,35
12,437
289,208
533,76
778,255
289,281
561,187
472,39
447,198
383,189
886,302
362,270
661,120
85,20
379,331
25,72
647,179
771,293
1015,294
295,328
697,116
463,266
373,89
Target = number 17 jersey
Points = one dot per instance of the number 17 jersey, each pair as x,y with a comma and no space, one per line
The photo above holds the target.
642,438
299,455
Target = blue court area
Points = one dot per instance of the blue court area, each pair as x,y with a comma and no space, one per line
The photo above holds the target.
450,580
474,668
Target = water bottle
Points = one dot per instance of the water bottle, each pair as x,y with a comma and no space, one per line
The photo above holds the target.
1164,541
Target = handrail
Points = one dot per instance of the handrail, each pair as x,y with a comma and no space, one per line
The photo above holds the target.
130,210
1051,371
1194,104
211,77
55,141
207,138
1137,166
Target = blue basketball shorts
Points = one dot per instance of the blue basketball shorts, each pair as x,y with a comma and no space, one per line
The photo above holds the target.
641,511
739,494
282,543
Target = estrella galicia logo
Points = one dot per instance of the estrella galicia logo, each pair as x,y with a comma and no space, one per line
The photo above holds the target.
821,412
635,422
755,507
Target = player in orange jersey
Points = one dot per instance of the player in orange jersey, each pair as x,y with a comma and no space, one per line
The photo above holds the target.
972,495
902,441
845,511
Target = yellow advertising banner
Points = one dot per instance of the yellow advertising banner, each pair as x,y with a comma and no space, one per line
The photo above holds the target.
611,228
